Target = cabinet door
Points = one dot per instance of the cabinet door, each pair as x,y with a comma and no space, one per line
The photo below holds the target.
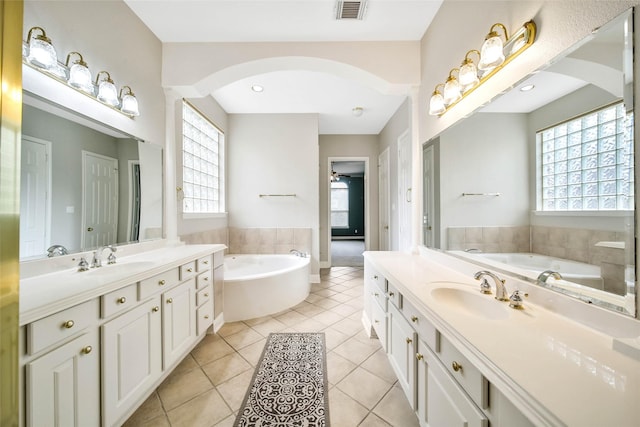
401,342
63,386
178,321
132,358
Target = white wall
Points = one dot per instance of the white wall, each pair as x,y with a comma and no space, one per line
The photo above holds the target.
274,154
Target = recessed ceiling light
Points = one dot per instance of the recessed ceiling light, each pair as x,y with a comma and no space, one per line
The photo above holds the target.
257,88
527,88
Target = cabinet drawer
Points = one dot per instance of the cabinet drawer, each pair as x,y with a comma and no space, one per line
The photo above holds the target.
379,297
469,377
423,327
117,301
379,323
45,332
203,279
187,270
394,296
204,317
204,263
157,283
204,295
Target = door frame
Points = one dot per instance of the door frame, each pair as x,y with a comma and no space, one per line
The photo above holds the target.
367,219
85,154
386,208
428,198
404,195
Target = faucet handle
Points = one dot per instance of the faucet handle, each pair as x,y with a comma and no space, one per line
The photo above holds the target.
485,287
83,265
111,259
515,301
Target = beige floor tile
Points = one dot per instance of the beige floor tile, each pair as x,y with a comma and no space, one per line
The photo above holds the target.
355,350
232,328
373,420
333,338
291,318
187,364
313,298
341,298
328,318
227,422
378,364
369,396
211,348
226,368
309,325
234,390
395,409
177,389
327,303
150,409
344,309
257,320
243,338
309,310
325,292
159,421
338,367
349,326
252,352
338,288
343,410
271,325
355,291
203,411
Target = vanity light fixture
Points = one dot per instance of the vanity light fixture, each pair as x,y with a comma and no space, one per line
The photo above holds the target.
357,111
79,74
492,57
107,91
129,102
41,52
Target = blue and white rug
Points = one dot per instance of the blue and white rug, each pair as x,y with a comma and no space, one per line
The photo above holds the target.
289,387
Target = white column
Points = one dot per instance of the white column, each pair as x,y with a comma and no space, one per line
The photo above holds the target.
170,196
416,172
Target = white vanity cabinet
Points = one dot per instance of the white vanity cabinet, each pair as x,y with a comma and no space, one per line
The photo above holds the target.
401,348
178,321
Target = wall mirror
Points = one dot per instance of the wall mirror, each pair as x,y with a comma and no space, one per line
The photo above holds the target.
542,178
84,184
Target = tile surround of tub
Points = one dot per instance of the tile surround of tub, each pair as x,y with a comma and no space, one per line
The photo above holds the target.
269,240
489,239
215,236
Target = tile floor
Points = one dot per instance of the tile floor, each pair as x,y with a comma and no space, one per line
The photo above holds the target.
208,387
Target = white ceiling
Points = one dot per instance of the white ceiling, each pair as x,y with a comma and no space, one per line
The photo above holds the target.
332,97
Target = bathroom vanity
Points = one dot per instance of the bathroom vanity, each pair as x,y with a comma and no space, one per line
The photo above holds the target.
465,359
95,344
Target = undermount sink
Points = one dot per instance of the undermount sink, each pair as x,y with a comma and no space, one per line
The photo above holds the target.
120,269
474,304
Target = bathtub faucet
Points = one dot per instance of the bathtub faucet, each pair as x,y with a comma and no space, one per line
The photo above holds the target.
299,253
501,290
57,250
542,278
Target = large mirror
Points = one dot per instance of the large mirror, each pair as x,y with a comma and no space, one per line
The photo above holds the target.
83,184
542,178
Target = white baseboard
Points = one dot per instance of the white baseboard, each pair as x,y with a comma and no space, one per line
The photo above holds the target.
314,278
218,322
325,264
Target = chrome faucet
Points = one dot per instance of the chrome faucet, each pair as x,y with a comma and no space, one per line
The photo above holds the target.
56,250
97,256
542,277
298,253
501,290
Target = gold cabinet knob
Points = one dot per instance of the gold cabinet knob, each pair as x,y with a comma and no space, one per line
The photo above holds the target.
170,300
391,294
122,300
189,270
375,294
90,229
456,366
68,324
414,319
155,309
205,262
376,321
206,278
88,349
206,316
206,295
409,340
161,282
419,356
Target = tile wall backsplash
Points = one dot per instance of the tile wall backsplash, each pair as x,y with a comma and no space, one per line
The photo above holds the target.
269,240
489,239
216,236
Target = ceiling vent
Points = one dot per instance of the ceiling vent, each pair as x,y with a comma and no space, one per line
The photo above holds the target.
350,9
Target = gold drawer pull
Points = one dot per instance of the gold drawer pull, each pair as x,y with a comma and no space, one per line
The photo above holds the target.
122,300
206,278
206,295
170,300
206,316
87,349
205,262
414,319
419,356
376,321
68,324
391,294
161,282
189,270
409,340
456,366
375,294
155,309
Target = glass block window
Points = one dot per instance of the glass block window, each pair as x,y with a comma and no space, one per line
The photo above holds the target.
339,205
587,162
202,164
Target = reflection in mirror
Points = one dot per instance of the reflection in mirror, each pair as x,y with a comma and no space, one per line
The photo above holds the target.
81,187
543,179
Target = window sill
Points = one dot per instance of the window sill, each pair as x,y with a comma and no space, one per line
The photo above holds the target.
584,213
204,215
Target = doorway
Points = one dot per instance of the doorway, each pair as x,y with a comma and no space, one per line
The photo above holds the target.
348,211
404,191
99,200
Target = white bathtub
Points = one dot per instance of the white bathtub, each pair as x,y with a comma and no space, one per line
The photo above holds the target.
259,285
572,271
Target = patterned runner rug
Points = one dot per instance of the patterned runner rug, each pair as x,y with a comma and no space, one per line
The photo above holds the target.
289,387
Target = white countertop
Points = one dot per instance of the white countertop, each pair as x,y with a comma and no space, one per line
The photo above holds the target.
545,363
45,294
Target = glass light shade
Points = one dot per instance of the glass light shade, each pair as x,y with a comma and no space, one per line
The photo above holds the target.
108,93
130,105
41,53
80,77
468,76
452,91
436,104
491,54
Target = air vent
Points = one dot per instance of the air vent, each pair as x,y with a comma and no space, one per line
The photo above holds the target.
350,9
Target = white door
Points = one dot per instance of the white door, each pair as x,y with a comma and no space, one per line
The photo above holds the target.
404,192
99,200
383,201
428,208
35,197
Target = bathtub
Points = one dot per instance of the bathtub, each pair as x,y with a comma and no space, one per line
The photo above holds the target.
259,285
571,271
